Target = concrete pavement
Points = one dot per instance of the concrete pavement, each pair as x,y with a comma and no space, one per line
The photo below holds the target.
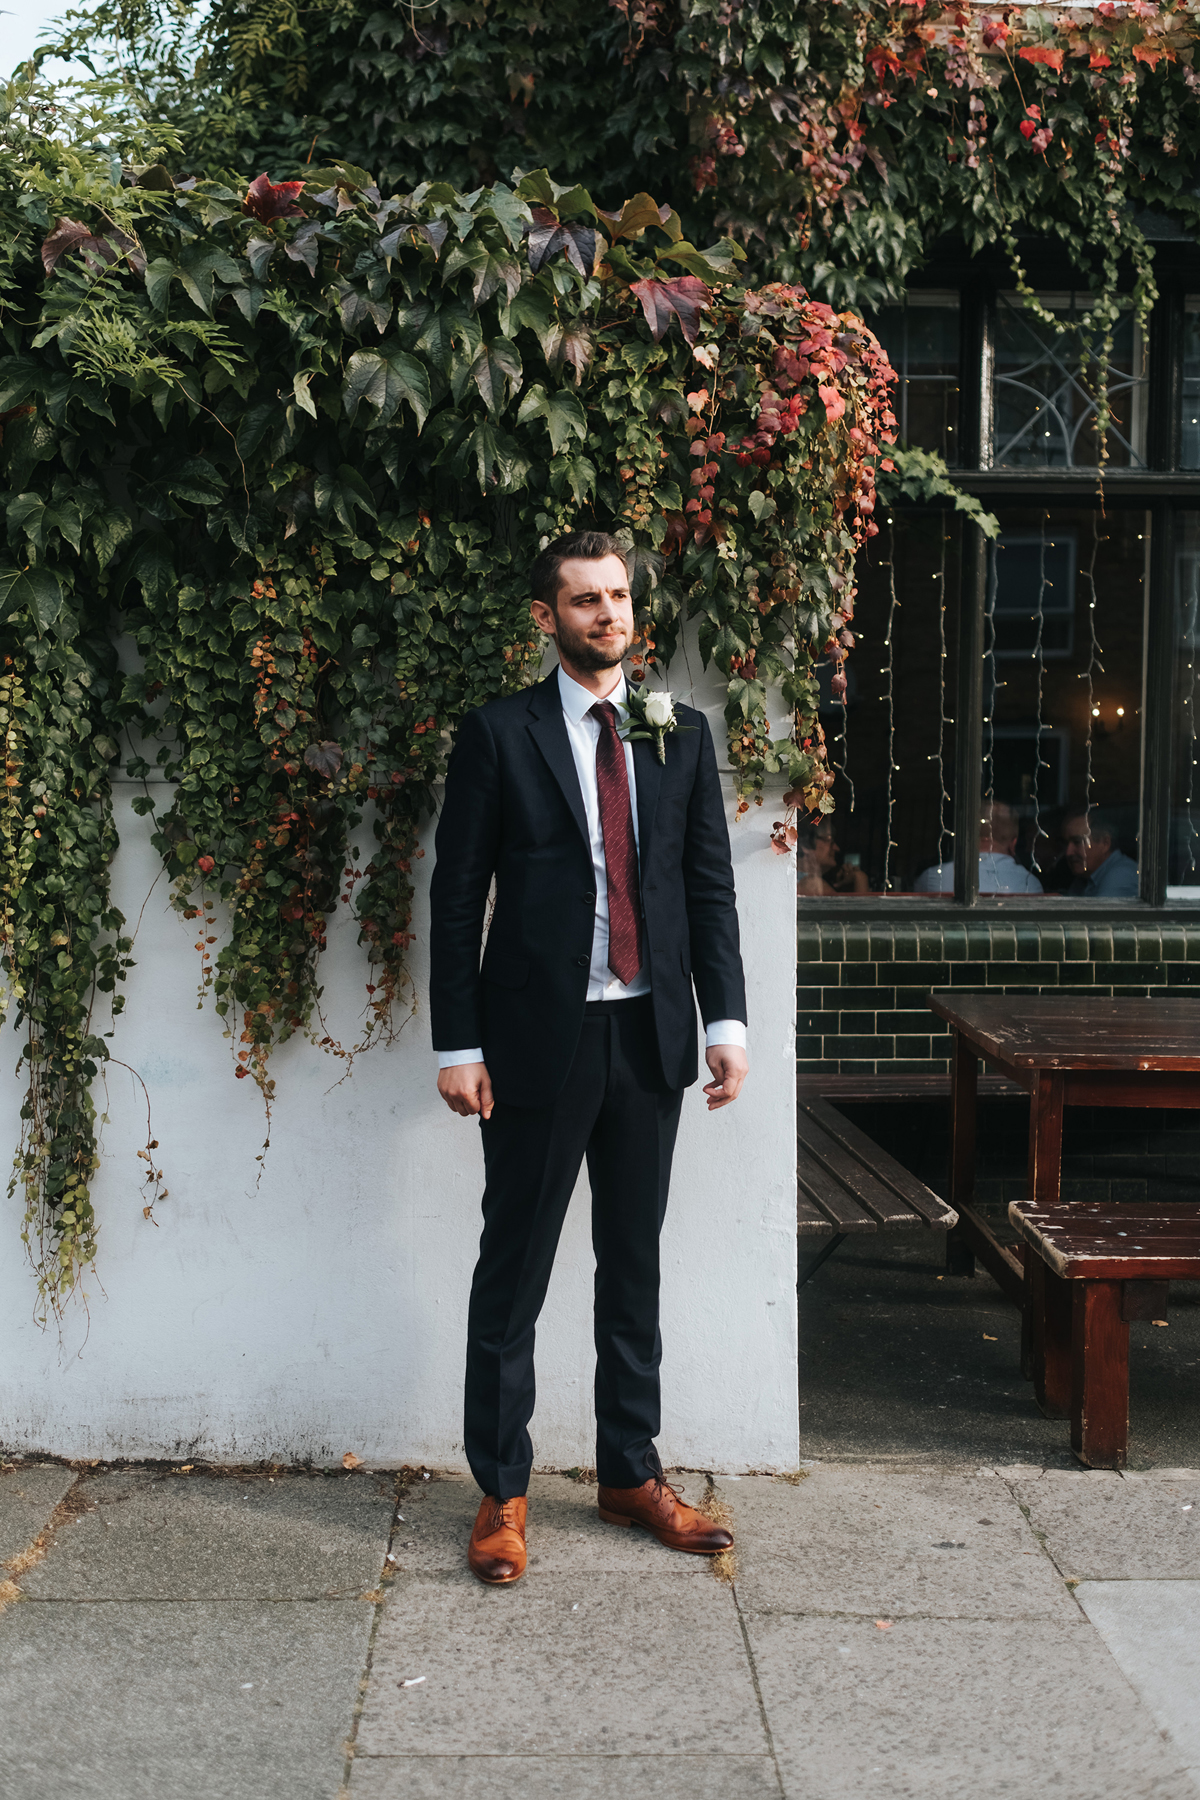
909,1629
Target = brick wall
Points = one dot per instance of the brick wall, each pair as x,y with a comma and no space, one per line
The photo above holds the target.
863,987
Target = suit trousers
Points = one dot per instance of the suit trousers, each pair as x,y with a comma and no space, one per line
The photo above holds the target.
616,1110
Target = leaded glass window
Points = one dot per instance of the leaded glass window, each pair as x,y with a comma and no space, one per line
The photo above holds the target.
1043,389
1189,440
922,341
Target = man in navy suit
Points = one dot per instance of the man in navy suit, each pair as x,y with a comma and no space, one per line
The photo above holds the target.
576,1036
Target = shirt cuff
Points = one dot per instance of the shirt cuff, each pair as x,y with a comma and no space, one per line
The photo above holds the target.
725,1031
451,1059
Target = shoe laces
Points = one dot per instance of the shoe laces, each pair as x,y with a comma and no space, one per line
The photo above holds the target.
503,1513
664,1490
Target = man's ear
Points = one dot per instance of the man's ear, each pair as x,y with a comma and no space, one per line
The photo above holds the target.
544,617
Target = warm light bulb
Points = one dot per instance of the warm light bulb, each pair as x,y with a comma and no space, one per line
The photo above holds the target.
1095,712
1120,712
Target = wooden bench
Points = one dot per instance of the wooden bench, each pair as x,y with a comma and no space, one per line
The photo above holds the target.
1089,1270
897,1089
846,1184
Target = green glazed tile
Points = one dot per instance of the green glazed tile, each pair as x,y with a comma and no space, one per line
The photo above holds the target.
854,1024
1124,939
1149,944
979,939
906,944
1052,944
863,975
868,1045
1076,944
883,948
833,942
1100,943
858,941
1174,943
929,944
808,944
1029,944
1004,942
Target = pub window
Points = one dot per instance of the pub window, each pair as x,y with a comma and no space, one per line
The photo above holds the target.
1087,683
1183,875
1044,388
1190,385
1062,694
922,341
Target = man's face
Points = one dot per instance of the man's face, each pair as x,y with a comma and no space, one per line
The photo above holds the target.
592,622
1084,852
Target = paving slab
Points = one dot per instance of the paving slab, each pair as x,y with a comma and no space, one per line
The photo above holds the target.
617,1664
1112,1529
208,1701
564,1533
939,1708
1152,1629
29,1493
150,1536
876,1541
564,1778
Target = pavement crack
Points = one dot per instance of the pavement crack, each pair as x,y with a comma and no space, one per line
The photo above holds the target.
386,1579
72,1506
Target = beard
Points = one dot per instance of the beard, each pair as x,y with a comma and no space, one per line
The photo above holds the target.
592,653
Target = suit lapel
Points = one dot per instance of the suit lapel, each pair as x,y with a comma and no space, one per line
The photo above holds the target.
548,729
647,776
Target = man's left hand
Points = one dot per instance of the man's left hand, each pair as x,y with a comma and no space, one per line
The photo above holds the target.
728,1067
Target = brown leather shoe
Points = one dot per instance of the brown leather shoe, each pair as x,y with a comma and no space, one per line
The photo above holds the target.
658,1508
496,1552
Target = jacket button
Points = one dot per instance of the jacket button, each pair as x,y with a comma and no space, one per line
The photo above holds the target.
582,962
588,899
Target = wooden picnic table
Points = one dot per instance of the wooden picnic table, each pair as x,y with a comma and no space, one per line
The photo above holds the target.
1063,1050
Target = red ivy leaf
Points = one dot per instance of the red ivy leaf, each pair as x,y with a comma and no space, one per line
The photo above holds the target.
1152,56
70,238
1042,53
994,32
267,200
324,759
547,237
685,297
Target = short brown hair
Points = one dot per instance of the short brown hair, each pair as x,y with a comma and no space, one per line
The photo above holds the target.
587,546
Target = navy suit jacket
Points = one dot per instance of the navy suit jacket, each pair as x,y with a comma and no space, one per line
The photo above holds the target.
513,809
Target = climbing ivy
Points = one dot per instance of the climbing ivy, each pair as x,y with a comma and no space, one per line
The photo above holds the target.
293,445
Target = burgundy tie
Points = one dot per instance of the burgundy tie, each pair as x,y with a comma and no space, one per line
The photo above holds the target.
620,851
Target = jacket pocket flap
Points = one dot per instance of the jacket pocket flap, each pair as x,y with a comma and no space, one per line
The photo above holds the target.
503,970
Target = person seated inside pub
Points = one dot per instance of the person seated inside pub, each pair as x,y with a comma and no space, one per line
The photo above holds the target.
1099,867
999,870
821,867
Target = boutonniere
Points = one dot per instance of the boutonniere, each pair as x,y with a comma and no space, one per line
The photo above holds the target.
650,713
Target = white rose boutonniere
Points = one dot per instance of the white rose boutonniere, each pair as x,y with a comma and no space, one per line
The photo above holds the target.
650,714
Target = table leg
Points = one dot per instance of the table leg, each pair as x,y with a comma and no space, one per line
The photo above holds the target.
1045,1140
1099,1375
1050,1327
964,1089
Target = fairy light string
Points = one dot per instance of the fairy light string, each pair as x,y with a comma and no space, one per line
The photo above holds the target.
1040,662
890,702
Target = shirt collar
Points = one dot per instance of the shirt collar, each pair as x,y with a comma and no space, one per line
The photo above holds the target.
578,701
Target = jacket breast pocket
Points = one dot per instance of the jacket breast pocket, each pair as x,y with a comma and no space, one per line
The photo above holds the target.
504,970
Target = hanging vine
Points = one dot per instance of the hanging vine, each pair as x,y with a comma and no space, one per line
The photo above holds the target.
298,442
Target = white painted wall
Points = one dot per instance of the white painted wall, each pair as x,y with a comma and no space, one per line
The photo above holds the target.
325,1310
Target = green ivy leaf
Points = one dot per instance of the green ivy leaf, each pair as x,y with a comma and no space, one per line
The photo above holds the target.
37,592
384,378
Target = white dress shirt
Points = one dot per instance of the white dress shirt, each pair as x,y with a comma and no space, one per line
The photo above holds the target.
583,734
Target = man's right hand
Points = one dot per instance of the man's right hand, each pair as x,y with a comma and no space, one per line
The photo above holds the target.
467,1089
